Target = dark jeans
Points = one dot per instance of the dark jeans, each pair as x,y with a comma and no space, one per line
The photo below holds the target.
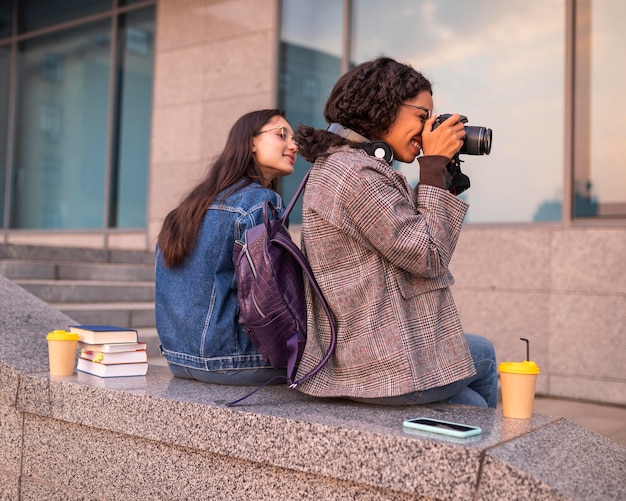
239,377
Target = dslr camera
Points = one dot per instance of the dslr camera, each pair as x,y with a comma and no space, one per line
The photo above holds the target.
477,141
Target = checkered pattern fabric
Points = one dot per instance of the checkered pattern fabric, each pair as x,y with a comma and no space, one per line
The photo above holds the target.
380,252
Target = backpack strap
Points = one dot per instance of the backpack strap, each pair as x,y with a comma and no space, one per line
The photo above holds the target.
282,240
292,344
295,197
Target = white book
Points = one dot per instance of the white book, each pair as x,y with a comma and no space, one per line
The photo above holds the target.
112,347
112,370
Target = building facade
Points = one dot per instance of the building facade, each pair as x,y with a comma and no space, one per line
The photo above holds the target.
110,110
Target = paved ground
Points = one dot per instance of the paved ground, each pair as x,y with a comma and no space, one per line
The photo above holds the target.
606,420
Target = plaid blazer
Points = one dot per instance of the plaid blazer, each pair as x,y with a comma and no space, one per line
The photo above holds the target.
380,252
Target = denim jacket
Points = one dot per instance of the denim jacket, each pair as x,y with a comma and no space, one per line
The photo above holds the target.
196,303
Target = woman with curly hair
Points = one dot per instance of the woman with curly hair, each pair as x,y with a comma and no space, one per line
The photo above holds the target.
196,297
380,250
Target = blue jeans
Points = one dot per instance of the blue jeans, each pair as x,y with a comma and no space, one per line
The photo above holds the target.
239,377
480,390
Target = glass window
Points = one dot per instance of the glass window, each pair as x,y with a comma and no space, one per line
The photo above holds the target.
79,159
37,14
310,64
130,172
61,129
502,65
6,19
5,64
599,146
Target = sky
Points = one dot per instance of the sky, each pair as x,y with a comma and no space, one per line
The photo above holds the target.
502,64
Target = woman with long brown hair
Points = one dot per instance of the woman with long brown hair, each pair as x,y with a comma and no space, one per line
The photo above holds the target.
196,297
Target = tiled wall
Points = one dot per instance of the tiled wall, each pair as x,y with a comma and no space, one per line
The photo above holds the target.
562,288
215,61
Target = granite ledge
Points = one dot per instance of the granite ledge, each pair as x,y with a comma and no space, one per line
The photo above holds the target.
359,443
281,430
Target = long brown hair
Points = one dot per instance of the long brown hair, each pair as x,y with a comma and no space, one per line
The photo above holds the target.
365,99
181,226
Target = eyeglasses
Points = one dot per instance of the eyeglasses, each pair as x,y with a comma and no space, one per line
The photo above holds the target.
283,134
422,108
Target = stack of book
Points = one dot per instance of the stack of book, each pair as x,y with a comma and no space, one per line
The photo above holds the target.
109,351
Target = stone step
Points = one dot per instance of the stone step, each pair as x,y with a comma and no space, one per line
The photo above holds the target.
91,286
48,270
135,315
13,269
88,291
72,254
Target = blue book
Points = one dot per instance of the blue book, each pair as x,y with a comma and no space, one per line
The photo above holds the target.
104,334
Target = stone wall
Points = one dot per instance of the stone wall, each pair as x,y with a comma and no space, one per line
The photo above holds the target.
214,61
562,288
156,437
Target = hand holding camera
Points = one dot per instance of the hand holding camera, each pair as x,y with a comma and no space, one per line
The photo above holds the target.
476,141
448,139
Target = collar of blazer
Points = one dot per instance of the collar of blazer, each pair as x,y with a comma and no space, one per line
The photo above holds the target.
378,149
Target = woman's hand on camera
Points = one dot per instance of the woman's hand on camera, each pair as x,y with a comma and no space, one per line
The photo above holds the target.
446,140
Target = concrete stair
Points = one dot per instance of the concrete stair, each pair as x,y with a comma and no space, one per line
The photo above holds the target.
91,286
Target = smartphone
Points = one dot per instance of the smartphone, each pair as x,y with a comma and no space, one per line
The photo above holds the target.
442,427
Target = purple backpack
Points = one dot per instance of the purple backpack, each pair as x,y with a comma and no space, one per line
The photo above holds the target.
270,269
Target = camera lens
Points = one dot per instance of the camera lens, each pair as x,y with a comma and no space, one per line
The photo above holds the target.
477,141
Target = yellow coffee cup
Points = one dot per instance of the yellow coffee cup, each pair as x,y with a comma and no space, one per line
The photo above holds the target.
62,352
517,382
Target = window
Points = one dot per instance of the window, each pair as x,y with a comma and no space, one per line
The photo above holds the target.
310,64
5,65
61,129
37,14
600,107
6,19
130,170
78,157
503,65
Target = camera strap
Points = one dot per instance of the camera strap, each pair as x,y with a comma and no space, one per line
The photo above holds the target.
459,182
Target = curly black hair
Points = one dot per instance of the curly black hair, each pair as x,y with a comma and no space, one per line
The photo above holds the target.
365,99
